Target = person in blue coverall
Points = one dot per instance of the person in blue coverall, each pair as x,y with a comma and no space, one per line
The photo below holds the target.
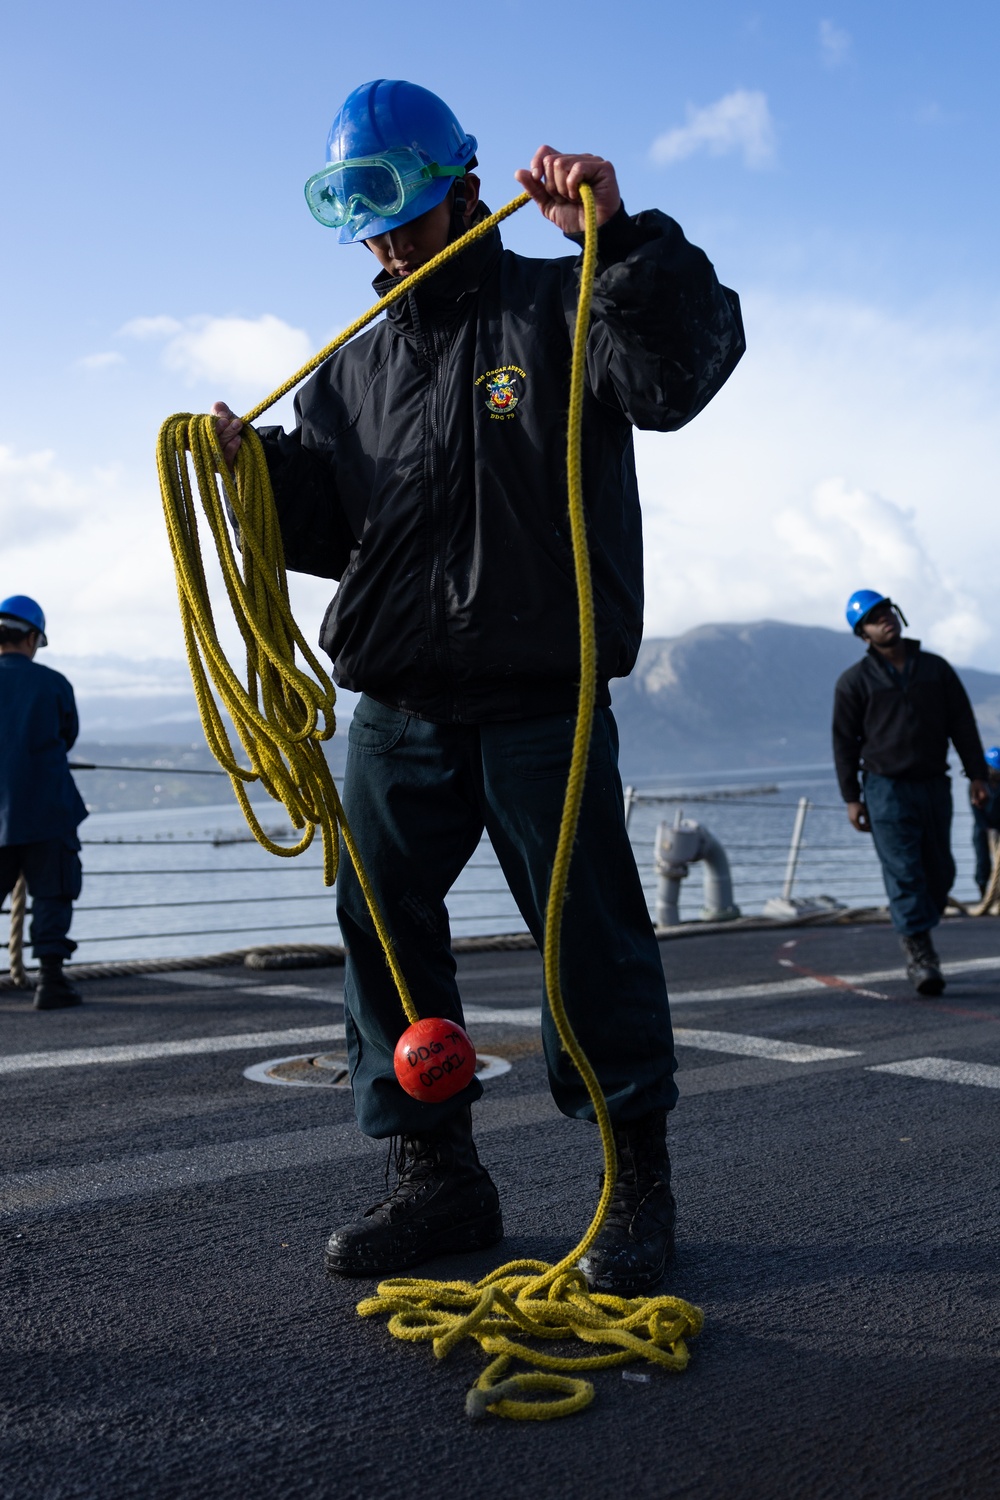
40,807
986,820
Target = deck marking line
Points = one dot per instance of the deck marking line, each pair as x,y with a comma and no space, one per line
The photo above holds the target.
944,1070
834,981
93,1183
496,1015
757,1046
200,980
778,990
960,966
71,1057
295,992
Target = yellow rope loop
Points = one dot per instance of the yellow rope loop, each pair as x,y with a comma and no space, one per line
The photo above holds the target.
281,715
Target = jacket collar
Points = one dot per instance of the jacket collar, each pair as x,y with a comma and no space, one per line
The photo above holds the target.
443,293
881,665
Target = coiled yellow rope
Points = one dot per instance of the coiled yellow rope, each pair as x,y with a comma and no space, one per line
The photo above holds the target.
281,717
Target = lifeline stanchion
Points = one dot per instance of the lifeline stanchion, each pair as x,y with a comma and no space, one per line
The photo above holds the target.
278,718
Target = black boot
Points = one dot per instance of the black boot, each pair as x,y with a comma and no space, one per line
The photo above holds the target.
54,991
636,1243
444,1203
923,967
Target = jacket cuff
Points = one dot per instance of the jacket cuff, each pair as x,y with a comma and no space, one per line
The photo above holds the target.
616,239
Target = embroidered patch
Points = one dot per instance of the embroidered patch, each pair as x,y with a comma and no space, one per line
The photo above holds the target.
504,390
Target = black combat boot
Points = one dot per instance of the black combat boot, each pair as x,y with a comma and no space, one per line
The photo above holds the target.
444,1203
923,967
636,1242
54,991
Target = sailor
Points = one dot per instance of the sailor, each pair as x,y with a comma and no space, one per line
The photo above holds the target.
893,715
428,475
40,807
986,820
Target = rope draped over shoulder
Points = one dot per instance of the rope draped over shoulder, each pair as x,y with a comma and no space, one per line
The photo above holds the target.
281,716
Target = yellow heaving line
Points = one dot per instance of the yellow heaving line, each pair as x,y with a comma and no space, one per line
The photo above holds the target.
282,715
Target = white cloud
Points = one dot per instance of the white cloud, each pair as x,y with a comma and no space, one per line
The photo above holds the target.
37,498
745,516
843,532
103,361
835,44
853,447
91,547
740,121
151,328
252,353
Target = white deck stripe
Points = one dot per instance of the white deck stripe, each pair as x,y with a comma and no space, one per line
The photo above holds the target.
756,1046
776,990
944,1070
963,966
328,996
486,1014
71,1057
202,979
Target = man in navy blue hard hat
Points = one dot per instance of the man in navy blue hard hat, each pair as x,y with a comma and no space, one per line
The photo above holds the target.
986,820
893,716
40,807
428,474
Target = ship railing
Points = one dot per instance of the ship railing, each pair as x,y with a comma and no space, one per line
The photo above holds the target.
773,844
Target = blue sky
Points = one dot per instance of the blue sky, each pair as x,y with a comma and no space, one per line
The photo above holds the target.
837,164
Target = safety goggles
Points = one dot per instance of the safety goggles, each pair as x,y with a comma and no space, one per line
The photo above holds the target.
364,188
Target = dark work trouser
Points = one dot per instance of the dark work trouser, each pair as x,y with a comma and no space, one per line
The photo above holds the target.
911,825
54,877
984,819
418,796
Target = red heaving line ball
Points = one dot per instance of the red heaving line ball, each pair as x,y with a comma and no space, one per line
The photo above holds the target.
434,1059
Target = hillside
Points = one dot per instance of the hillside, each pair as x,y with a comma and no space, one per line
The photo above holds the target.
725,697
718,698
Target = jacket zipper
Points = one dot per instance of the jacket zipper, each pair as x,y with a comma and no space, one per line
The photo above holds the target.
433,348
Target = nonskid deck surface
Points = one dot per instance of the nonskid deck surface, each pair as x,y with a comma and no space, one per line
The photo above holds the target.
170,1331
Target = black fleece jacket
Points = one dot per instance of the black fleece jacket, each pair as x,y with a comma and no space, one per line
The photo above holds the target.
900,725
428,469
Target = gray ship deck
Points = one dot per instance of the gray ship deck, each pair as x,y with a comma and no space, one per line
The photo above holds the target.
170,1333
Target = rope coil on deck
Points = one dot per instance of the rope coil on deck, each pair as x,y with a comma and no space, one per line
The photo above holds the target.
281,717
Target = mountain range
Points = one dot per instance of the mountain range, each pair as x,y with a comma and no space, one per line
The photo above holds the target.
719,697
739,696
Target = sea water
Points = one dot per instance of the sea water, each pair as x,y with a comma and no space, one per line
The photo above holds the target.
184,882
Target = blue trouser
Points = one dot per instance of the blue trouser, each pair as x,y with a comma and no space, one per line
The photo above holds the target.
54,877
911,825
983,819
418,797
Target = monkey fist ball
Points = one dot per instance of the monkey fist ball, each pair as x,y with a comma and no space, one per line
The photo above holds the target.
434,1059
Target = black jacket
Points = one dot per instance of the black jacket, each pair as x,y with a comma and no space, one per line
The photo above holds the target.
901,726
428,469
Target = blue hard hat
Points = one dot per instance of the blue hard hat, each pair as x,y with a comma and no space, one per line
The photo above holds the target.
24,611
862,602
392,145
993,757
